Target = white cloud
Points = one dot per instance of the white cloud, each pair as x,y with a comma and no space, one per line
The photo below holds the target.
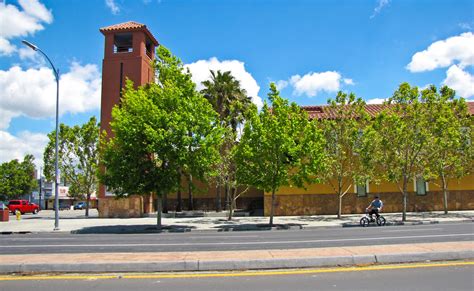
444,53
28,53
281,84
460,80
313,83
465,25
32,92
16,147
113,6
348,81
380,5
200,72
18,23
36,9
376,101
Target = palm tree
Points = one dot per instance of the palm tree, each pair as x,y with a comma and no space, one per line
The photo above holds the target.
232,104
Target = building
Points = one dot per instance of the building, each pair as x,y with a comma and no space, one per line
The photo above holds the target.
321,199
129,53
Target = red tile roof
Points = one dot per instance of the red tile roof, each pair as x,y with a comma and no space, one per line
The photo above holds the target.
325,111
124,26
129,26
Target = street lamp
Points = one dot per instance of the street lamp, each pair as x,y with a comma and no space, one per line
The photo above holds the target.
56,169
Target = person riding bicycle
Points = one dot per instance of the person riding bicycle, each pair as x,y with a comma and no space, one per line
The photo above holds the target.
375,207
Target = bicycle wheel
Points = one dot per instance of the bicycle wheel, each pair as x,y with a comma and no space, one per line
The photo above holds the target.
364,222
381,221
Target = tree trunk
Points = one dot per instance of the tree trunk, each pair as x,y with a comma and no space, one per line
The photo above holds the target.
445,194
232,203
158,212
88,199
190,192
179,205
272,209
226,195
165,202
218,199
339,209
404,213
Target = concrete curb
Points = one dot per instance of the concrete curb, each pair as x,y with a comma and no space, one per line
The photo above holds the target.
223,265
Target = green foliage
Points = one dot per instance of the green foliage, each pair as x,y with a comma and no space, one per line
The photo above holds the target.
275,145
159,130
449,154
17,178
402,138
347,151
77,158
233,105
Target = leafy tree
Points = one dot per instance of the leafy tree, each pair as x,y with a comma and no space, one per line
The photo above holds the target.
159,131
78,156
278,147
402,139
450,153
17,178
232,104
345,156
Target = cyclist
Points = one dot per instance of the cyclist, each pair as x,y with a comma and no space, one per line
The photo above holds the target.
375,207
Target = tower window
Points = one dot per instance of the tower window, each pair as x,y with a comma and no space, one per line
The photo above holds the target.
123,43
148,48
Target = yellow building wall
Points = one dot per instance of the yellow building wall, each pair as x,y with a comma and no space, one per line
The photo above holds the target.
465,183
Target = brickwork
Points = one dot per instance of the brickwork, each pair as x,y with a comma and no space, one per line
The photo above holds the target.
121,208
314,204
209,204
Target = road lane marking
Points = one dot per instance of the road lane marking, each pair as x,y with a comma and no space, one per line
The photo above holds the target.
408,230
237,243
236,274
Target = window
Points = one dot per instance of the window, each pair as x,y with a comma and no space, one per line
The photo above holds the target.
123,43
148,48
421,186
362,190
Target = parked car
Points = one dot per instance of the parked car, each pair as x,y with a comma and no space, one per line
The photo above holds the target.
63,206
80,206
23,206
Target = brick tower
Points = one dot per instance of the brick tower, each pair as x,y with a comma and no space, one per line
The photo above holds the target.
129,53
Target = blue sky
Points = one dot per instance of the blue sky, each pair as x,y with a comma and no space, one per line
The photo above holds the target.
311,48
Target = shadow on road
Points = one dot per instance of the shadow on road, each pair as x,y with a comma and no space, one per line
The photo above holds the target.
131,229
246,227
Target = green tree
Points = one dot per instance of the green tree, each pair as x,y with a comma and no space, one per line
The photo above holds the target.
450,153
232,104
402,139
17,178
278,147
345,158
159,131
78,156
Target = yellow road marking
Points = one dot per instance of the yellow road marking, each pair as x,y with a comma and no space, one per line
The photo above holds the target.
234,274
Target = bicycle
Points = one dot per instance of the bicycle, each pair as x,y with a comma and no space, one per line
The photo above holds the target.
366,220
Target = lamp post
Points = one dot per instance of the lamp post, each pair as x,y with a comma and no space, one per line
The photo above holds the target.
56,169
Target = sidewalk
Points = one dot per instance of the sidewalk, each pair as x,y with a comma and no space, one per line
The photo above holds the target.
231,260
75,222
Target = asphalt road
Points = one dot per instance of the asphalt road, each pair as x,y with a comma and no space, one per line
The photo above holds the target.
248,240
412,278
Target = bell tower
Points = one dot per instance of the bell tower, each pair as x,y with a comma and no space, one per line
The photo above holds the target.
129,53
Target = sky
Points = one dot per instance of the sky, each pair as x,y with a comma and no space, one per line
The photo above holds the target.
310,48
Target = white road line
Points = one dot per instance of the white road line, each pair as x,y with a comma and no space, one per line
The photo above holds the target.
416,229
239,243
